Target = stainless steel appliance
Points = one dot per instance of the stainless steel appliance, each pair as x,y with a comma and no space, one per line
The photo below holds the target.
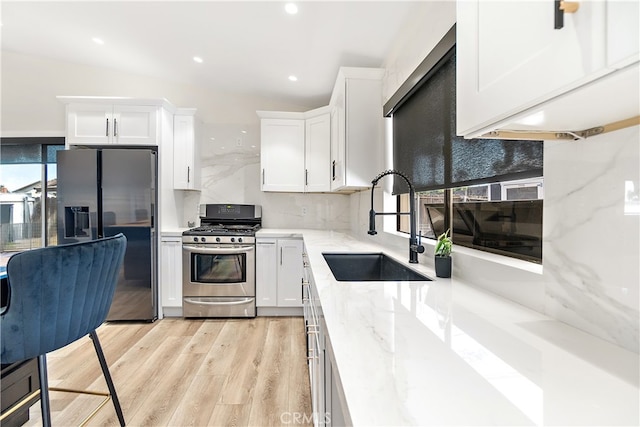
219,262
103,192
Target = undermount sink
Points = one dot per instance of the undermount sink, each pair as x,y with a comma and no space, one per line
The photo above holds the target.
369,267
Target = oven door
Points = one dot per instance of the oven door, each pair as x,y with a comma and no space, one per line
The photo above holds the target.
218,271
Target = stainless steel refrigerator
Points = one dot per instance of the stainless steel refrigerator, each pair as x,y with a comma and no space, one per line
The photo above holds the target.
103,192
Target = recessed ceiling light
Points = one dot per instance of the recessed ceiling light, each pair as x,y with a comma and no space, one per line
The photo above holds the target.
197,59
98,40
291,8
293,78
243,131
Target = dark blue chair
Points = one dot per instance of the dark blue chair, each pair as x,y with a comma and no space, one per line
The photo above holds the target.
57,295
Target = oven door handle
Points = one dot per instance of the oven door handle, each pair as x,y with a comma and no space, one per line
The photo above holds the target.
206,250
236,302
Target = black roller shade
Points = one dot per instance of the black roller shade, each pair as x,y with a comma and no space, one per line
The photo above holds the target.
427,149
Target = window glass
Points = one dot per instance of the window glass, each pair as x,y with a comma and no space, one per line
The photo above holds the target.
503,218
20,208
28,190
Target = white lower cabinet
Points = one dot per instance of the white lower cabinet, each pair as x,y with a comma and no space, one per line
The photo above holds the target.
278,274
315,350
171,275
327,398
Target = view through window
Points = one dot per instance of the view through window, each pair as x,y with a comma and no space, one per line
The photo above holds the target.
28,217
503,218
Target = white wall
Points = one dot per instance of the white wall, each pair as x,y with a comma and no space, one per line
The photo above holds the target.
590,277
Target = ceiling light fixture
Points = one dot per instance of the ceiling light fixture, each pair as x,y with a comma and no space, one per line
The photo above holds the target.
197,59
98,40
291,8
293,78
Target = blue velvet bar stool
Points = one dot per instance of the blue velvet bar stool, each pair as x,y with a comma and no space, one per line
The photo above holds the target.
58,295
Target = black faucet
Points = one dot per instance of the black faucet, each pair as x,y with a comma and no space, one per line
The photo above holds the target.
414,247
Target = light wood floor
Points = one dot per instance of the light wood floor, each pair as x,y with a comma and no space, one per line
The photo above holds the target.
177,372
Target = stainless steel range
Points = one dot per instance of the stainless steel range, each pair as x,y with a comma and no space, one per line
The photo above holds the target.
219,262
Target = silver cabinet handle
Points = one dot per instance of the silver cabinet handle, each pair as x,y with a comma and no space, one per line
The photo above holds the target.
188,173
262,176
115,127
106,132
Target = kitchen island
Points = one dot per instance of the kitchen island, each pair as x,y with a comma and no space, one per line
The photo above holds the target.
447,353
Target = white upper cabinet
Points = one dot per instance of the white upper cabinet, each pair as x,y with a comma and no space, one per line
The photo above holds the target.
295,150
516,71
282,154
317,153
106,123
186,159
357,149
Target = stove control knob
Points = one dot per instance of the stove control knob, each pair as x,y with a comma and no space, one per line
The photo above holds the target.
195,239
218,239
239,239
233,239
203,239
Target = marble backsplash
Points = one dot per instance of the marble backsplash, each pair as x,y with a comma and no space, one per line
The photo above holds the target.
591,246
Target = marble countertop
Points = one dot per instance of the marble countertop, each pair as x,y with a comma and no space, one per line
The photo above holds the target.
445,353
172,232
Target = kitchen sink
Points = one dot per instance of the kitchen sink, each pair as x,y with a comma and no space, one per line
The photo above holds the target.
369,267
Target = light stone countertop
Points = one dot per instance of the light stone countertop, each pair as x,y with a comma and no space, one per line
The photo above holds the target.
445,353
172,232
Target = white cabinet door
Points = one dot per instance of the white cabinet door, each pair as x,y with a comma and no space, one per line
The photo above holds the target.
135,125
266,273
318,153
100,124
357,143
282,154
290,272
89,124
186,171
171,271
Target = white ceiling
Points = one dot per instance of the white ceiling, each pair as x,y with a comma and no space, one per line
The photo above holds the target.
247,47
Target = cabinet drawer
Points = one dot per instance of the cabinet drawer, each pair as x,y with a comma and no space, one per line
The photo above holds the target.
18,380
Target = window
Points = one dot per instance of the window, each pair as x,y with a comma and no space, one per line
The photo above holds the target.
28,217
487,191
503,218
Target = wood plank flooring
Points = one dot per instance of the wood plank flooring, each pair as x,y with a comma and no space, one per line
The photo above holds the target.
186,372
